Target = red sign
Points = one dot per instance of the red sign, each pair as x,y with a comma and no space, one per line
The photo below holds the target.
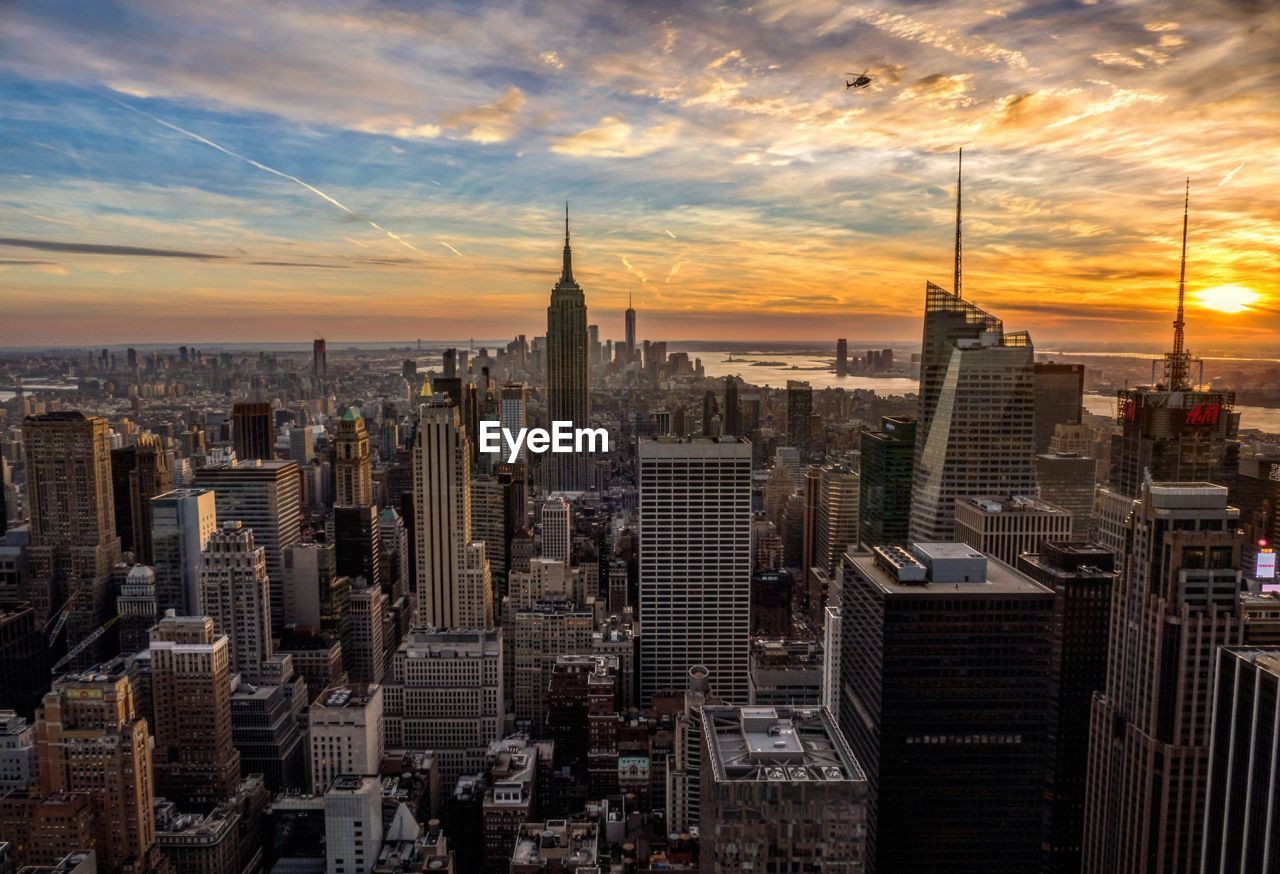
1129,410
1204,414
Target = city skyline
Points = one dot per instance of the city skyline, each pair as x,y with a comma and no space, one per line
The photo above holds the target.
159,189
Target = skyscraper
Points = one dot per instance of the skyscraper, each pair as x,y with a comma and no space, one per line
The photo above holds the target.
842,357
1176,603
884,495
512,403
1006,527
1059,399
629,344
138,473
233,585
181,522
196,762
1174,431
800,417
91,742
732,424
319,366
695,563
357,543
568,395
1242,821
1082,576
945,663
351,468
557,529
253,430
266,497
976,433
454,584
73,534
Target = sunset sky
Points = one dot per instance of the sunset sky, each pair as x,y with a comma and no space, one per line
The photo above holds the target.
267,170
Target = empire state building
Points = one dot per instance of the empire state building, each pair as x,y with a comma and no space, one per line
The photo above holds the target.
568,395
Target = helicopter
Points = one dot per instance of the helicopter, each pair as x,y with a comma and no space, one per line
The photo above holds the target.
861,80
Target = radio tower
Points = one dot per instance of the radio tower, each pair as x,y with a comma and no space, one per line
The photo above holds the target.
959,168
1177,366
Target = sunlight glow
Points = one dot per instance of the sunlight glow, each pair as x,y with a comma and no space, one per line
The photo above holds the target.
1227,298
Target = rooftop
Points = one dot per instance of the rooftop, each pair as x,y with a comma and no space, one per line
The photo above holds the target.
933,569
570,844
782,744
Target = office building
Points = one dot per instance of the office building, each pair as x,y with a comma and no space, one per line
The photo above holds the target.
800,418
352,473
533,639
1177,602
138,473
17,752
568,386
556,533
695,562
205,843
786,673
135,605
197,764
314,595
358,543
1006,527
264,496
842,357
346,734
302,444
445,693
253,430
884,494
976,430
1242,821
352,824
732,424
836,527
91,741
234,587
73,543
954,748
364,650
629,332
319,362
513,416
792,769
1059,399
1069,480
181,523
1082,577
454,585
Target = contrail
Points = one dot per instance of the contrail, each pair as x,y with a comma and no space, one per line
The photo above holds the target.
635,271
671,235
272,170
450,248
1231,174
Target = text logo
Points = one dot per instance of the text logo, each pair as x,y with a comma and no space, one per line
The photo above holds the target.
1204,414
562,437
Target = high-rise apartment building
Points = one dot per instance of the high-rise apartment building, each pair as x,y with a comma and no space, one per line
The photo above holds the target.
138,473
695,563
73,543
946,672
976,431
181,523
352,473
265,497
253,430
455,589
234,589
884,495
568,385
197,764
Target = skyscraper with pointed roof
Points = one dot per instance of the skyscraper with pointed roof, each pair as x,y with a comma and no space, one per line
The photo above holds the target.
568,396
351,468
975,434
1172,431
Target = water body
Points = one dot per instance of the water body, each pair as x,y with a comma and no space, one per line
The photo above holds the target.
775,368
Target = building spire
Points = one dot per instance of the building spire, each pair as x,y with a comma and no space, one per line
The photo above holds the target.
1178,362
959,170
566,272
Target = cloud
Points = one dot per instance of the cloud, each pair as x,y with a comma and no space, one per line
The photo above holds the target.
1231,174
106,249
491,123
940,90
614,138
634,271
913,29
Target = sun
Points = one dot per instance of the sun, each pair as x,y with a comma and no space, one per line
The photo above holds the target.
1227,298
